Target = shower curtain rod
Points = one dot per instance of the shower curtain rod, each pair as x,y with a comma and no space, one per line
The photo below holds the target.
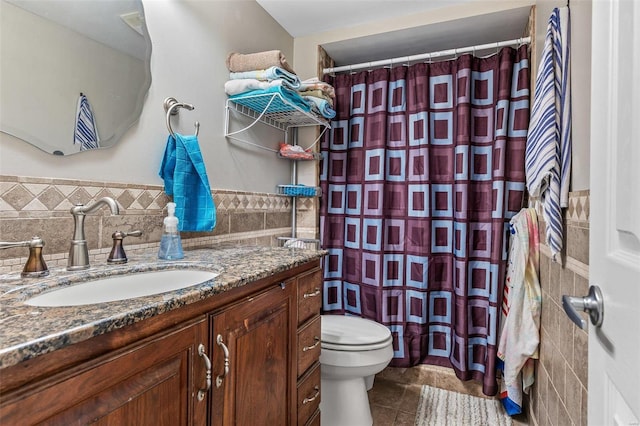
411,58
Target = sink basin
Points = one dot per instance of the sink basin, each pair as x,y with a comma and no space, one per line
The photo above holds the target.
122,287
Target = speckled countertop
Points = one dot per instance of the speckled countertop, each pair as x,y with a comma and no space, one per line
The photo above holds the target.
28,331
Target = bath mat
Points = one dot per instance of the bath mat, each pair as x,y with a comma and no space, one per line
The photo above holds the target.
439,407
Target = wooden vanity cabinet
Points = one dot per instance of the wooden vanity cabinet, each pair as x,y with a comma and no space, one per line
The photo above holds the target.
251,341
150,382
271,344
150,373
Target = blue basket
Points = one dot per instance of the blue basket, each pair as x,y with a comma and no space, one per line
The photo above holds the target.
298,190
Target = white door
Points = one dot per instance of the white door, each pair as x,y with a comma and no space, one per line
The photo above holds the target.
614,349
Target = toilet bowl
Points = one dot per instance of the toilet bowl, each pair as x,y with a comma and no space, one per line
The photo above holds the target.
352,351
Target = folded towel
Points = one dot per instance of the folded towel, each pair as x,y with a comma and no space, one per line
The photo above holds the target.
238,62
241,85
290,96
272,73
315,84
322,105
318,94
548,151
185,178
86,131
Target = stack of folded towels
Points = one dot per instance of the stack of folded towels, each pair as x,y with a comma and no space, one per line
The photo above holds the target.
269,72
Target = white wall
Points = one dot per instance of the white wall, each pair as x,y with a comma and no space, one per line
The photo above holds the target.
191,39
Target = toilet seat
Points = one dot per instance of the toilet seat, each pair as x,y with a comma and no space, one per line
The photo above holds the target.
344,333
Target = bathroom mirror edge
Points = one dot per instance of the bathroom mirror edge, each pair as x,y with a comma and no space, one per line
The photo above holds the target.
117,113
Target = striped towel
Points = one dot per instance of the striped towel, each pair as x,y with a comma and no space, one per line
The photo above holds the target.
548,152
86,131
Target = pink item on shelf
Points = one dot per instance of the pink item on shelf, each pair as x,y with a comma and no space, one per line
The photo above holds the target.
295,152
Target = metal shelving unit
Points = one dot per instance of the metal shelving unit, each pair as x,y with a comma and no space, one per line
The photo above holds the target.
275,111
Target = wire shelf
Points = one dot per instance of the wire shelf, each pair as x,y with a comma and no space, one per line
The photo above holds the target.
303,243
299,190
273,110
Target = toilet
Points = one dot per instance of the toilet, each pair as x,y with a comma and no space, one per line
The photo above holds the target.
352,351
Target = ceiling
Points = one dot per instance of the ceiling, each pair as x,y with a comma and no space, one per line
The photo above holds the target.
304,17
294,17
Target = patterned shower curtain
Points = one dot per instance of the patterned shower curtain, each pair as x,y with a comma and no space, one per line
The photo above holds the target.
422,170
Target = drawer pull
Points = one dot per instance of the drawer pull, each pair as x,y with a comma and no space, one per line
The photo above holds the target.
207,363
226,361
315,293
315,345
313,398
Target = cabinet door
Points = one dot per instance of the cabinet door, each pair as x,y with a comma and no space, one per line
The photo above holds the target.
254,339
153,382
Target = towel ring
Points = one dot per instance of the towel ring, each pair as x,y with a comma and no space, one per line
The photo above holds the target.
171,106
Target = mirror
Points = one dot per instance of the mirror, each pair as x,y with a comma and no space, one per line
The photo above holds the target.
74,73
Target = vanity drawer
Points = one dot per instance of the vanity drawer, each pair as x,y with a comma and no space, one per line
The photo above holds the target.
309,295
309,396
308,345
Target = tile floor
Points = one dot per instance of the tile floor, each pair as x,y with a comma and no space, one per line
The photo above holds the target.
396,393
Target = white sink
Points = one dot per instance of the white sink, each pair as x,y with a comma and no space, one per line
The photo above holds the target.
122,287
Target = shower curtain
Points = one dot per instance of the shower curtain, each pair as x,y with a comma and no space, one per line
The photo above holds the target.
421,172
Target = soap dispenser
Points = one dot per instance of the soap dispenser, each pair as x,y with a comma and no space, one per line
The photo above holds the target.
170,244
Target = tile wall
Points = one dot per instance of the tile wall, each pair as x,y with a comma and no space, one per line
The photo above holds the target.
559,395
40,206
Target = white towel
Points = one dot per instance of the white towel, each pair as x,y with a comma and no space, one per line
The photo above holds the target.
86,131
241,85
521,307
548,153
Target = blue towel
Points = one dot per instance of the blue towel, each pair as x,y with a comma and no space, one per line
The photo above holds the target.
548,152
185,178
86,131
251,97
322,106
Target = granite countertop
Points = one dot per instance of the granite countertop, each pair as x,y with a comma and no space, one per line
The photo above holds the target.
28,331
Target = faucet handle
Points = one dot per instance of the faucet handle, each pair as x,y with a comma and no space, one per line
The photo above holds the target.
35,266
117,254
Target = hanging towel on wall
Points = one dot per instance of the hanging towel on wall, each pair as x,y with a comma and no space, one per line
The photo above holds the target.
521,306
85,131
548,152
185,178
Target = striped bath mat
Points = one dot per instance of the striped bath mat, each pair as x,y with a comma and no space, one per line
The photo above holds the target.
439,407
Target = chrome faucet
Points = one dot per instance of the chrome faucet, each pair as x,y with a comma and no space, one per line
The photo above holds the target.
35,266
79,253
